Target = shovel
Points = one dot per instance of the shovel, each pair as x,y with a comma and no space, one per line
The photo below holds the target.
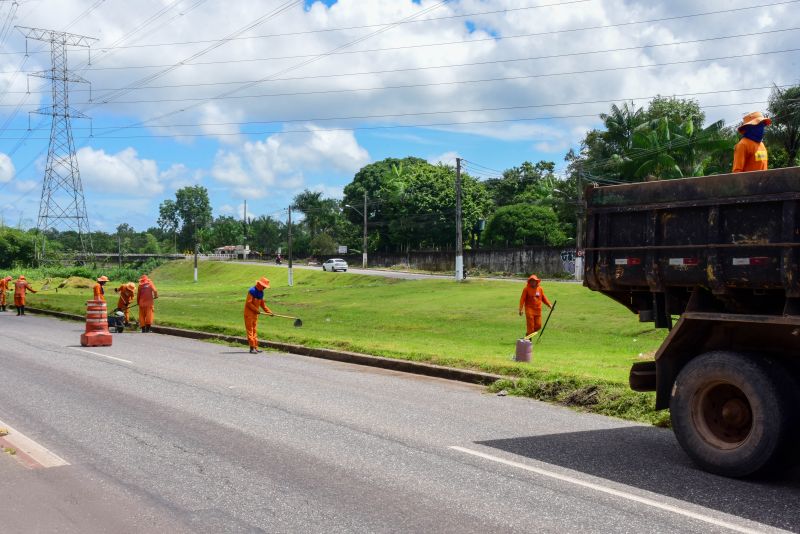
297,322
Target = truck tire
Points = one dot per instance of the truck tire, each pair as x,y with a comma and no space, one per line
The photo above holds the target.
731,412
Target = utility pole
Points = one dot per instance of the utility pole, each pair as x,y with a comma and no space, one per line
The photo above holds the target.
291,278
245,228
196,251
364,245
579,230
119,248
62,203
459,237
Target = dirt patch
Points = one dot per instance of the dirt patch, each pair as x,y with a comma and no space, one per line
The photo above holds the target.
582,397
76,282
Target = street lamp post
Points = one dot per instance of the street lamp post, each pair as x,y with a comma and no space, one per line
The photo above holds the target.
364,244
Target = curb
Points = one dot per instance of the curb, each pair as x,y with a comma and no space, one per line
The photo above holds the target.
405,366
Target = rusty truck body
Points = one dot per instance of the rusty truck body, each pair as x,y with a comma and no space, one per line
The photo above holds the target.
722,253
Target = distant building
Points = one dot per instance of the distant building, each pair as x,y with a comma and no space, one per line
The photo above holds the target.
240,251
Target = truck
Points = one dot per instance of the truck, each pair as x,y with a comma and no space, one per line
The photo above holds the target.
716,261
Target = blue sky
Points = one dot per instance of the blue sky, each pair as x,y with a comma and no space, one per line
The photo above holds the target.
200,75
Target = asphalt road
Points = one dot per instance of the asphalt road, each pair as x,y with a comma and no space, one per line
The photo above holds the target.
167,435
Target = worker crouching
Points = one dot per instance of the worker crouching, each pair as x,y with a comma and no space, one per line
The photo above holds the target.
145,298
252,308
126,294
21,286
531,303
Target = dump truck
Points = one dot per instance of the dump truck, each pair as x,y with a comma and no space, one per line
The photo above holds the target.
721,255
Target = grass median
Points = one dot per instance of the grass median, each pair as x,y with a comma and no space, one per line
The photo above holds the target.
582,360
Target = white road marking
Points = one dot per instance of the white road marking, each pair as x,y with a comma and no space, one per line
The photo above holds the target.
611,491
102,355
38,453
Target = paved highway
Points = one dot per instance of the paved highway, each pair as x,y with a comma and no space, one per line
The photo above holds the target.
164,434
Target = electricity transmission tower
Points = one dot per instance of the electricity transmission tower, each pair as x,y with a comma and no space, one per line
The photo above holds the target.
62,205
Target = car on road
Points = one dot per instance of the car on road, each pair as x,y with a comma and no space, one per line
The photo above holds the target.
335,264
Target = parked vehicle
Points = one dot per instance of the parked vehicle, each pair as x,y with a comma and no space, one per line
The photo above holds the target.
723,252
335,264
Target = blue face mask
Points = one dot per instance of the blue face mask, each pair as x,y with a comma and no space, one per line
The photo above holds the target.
755,133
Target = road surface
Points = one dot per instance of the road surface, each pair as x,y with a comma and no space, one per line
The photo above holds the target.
164,434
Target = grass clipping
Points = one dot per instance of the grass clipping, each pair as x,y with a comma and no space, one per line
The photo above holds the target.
606,398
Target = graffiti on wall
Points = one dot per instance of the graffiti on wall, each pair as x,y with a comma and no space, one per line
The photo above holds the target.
568,260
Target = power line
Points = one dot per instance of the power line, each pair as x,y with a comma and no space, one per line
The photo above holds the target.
430,84
449,65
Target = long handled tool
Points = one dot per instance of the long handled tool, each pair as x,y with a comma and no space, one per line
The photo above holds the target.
541,332
297,321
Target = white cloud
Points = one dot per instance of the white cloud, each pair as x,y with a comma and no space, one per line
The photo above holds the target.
124,173
7,170
448,158
281,160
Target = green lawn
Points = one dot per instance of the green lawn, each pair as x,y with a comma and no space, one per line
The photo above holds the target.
472,324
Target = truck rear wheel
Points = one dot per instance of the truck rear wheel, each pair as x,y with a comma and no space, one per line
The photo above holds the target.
731,412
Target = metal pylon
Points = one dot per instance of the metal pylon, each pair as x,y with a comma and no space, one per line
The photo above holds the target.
62,205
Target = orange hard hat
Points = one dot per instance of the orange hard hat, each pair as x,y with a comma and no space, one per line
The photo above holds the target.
752,119
22,277
534,277
263,282
103,278
131,286
143,279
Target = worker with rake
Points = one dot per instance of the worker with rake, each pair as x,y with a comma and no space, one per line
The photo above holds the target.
99,289
145,298
3,288
126,293
531,302
252,308
20,287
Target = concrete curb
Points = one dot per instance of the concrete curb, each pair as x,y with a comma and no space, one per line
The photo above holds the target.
405,366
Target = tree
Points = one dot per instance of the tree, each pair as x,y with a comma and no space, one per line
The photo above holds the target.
267,234
525,224
225,230
322,244
529,181
16,247
188,214
168,220
784,108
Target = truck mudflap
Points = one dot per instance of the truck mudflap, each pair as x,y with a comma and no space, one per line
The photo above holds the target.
643,376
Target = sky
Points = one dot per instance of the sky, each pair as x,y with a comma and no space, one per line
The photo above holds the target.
258,100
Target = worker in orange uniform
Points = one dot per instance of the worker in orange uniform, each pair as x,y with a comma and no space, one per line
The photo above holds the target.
750,154
531,302
145,298
252,307
3,288
126,293
99,289
20,287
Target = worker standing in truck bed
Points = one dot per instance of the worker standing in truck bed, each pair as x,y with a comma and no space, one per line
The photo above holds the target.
750,153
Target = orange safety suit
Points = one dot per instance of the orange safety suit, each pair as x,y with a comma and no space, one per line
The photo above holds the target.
252,306
3,289
20,287
145,298
99,292
531,301
748,155
126,292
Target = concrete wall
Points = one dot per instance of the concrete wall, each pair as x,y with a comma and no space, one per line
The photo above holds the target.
549,261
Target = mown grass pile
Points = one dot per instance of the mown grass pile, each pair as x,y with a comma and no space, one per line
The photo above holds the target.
589,343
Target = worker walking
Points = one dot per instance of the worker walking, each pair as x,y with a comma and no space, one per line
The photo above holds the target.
145,298
252,307
126,293
3,288
750,154
20,287
99,289
531,302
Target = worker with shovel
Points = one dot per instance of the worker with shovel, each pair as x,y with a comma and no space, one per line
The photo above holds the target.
20,287
126,293
252,308
99,289
531,302
3,288
145,298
